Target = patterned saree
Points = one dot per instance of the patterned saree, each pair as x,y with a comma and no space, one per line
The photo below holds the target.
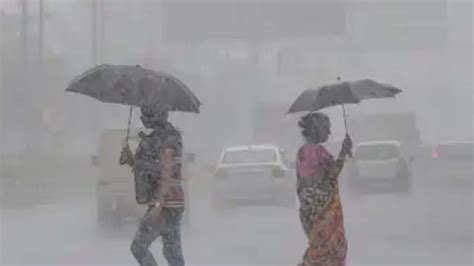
320,206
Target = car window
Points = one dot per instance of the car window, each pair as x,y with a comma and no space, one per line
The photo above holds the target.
249,156
377,152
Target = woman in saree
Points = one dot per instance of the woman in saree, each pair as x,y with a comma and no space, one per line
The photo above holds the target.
318,193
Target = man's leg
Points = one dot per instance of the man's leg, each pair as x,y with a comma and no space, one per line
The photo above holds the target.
171,236
147,232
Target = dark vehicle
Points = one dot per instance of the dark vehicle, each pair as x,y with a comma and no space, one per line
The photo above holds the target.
453,163
256,174
379,166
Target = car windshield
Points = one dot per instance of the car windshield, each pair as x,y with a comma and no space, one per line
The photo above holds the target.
249,156
377,152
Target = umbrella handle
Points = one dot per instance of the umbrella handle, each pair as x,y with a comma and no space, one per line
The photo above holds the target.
129,123
345,125
345,118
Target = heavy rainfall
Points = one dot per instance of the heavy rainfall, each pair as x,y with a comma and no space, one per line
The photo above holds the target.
341,178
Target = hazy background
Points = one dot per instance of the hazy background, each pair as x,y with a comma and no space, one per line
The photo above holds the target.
237,56
424,47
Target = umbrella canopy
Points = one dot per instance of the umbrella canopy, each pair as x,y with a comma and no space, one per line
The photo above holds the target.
340,94
135,86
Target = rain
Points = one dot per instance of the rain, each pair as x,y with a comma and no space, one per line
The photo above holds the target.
406,186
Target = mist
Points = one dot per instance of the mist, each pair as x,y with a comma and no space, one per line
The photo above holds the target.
247,61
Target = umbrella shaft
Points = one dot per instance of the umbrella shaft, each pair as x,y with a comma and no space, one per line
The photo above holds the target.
129,123
345,117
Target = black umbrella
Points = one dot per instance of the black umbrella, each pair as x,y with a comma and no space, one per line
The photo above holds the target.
341,93
135,86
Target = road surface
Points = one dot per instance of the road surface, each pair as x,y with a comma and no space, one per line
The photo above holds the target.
433,226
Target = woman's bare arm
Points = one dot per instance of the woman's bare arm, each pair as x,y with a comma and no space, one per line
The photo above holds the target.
336,167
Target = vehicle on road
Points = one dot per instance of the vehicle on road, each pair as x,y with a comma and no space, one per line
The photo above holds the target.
253,174
115,187
401,127
379,166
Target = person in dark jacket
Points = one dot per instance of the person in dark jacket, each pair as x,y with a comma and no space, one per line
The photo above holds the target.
156,166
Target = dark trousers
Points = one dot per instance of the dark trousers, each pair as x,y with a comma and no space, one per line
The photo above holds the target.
168,228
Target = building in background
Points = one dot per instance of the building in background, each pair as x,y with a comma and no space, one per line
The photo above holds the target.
237,55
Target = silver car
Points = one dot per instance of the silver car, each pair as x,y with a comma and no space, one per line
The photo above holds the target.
254,174
379,166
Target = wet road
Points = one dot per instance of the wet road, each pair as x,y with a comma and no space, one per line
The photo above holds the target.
433,226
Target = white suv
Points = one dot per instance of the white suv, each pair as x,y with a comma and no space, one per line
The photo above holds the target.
254,174
379,166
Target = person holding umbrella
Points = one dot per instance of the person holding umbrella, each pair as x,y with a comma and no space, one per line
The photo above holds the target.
317,171
166,196
156,163
318,193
